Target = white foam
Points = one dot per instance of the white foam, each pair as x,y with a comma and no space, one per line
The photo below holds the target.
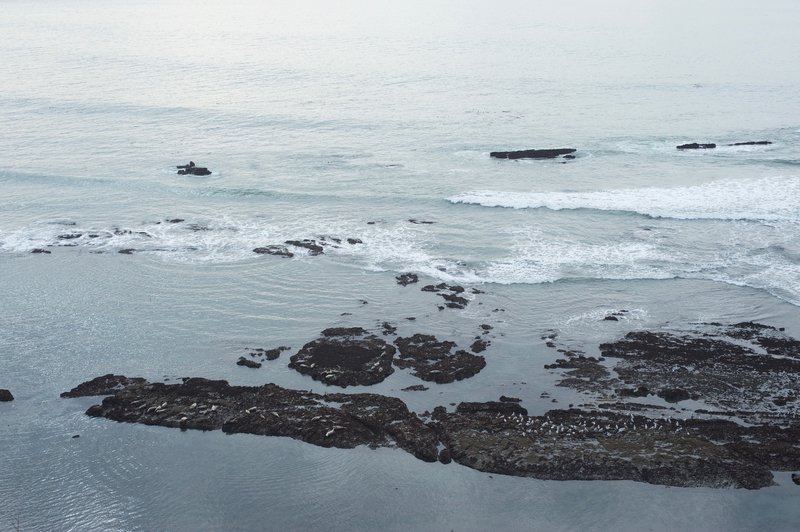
768,198
536,259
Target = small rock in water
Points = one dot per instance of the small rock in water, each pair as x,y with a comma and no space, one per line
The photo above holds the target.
696,146
5,395
192,169
247,363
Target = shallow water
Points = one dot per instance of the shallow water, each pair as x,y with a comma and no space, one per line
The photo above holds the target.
350,122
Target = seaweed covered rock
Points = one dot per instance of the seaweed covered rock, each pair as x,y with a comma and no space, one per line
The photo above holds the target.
435,361
345,357
331,420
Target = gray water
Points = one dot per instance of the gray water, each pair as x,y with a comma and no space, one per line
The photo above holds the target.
317,120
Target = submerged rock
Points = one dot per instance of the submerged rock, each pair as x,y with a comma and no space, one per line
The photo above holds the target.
345,357
40,250
532,154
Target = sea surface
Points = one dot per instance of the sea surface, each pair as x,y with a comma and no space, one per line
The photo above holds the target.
367,120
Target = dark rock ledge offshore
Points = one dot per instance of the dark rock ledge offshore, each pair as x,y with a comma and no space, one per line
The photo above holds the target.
550,153
192,169
494,436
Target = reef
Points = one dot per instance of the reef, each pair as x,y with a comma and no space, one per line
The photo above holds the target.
550,153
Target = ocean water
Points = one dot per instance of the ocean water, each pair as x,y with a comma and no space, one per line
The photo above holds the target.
355,121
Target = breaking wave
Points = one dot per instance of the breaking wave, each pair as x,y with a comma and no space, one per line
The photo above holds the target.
762,199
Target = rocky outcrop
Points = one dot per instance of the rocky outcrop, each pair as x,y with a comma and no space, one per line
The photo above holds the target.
751,143
281,251
493,436
103,385
450,293
311,245
434,361
532,154
192,169
268,354
696,146
345,357
589,445
246,362
5,395
405,279
331,420
746,368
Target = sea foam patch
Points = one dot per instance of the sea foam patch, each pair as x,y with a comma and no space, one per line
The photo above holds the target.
768,199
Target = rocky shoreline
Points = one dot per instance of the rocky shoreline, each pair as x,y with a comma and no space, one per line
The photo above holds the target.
745,372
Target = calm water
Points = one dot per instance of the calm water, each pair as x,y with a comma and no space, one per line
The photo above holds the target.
317,120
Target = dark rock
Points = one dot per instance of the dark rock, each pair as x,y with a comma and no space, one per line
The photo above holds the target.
344,331
673,395
492,407
575,444
175,220
5,395
796,478
274,250
611,318
494,436
444,456
40,250
479,346
453,299
191,169
751,143
341,359
127,251
270,354
354,241
433,361
69,236
568,157
247,363
415,388
641,391
388,328
696,146
406,279
331,420
486,327
504,399
311,245
424,222
730,376
104,385
76,436
532,154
